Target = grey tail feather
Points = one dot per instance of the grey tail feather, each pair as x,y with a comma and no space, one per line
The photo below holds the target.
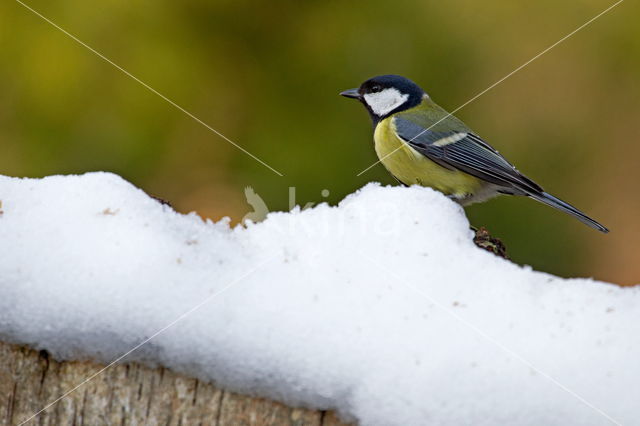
552,201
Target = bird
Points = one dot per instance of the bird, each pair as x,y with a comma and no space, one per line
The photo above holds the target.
420,143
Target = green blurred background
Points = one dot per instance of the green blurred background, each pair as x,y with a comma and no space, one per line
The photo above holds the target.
267,75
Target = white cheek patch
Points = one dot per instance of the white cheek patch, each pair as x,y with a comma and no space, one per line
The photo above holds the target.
384,102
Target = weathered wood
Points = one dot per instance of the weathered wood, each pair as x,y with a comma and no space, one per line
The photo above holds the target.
128,394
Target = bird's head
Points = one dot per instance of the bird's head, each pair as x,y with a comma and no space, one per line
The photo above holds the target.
386,94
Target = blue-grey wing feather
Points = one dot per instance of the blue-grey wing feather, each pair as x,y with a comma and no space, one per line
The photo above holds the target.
469,154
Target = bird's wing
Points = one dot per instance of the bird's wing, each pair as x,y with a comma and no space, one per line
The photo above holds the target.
465,151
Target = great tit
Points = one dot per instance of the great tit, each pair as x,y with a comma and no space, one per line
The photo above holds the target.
420,143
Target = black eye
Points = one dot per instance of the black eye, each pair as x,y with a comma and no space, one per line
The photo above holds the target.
376,88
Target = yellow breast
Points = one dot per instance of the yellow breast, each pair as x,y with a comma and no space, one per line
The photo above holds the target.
411,167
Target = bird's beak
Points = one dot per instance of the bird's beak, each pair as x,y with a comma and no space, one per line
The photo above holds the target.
351,93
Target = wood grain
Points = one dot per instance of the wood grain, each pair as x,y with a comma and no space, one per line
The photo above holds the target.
128,394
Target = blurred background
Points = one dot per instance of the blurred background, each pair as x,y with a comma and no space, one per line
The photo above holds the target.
267,75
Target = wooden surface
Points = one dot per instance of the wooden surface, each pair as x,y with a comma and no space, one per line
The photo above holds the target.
128,394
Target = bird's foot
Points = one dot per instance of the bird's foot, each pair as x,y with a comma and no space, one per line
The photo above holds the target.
485,241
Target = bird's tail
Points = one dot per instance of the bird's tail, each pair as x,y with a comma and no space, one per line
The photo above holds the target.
552,201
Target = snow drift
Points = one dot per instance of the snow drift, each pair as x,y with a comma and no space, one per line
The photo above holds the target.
381,307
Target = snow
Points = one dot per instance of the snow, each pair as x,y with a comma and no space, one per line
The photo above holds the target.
381,307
